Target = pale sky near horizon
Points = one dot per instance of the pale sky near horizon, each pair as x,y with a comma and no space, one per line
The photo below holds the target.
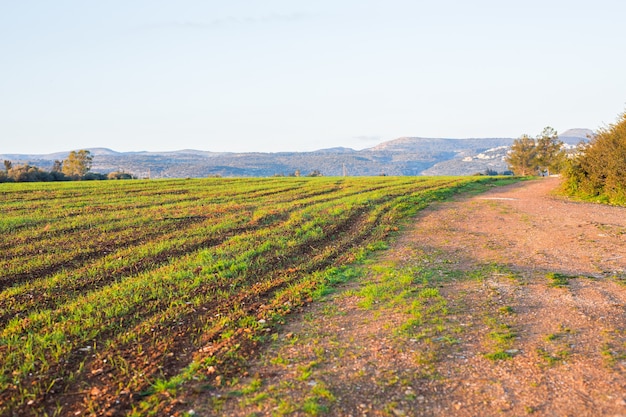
279,75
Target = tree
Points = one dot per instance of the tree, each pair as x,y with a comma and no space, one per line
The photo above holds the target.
550,154
77,164
57,166
7,165
522,159
530,156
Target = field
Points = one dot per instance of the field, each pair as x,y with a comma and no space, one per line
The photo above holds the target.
113,295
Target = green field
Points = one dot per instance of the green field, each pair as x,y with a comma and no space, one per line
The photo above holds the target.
114,294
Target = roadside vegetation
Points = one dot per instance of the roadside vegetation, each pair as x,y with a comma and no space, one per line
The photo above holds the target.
598,171
114,295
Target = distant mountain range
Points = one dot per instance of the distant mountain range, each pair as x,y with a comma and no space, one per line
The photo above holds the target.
403,156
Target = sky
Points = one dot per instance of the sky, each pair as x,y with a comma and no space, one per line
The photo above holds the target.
291,75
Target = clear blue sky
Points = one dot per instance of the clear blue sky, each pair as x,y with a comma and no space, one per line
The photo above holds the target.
283,75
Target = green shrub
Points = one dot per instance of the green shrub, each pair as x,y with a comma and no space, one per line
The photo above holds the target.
598,172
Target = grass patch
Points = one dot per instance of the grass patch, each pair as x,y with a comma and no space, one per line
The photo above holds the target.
503,336
506,310
558,280
501,341
558,349
318,401
551,359
493,270
614,347
305,371
499,355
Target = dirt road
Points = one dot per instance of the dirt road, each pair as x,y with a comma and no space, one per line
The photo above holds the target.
507,303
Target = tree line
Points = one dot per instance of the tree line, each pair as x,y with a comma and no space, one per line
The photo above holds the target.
75,167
